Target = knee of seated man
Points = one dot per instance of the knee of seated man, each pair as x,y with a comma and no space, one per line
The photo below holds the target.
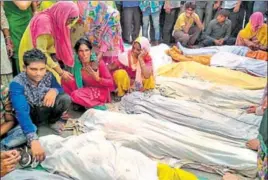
64,100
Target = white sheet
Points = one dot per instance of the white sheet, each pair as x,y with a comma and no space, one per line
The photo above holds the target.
231,123
240,63
216,95
161,139
91,156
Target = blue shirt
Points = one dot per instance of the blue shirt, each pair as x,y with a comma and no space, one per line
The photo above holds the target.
23,93
150,7
131,3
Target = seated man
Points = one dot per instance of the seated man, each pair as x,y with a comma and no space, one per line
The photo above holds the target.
8,122
219,30
184,30
37,98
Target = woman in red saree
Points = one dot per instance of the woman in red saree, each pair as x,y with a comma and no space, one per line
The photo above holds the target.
92,82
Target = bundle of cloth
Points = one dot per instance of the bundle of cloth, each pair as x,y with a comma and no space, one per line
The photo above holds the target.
217,75
91,156
212,94
235,124
162,140
159,56
244,64
238,50
224,59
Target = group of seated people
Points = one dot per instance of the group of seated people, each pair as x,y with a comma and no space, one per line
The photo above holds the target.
188,27
43,93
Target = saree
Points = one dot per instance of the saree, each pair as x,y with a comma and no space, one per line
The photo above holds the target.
18,21
102,26
255,29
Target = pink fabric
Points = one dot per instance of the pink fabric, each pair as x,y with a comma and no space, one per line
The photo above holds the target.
82,6
53,21
256,20
93,93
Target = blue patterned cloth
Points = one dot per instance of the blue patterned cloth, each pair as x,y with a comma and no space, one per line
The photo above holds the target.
150,7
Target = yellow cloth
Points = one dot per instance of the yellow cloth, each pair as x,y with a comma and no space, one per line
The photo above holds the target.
45,5
45,43
182,19
165,172
261,34
123,82
212,74
177,55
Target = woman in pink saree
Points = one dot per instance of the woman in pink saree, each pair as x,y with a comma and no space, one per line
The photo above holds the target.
92,82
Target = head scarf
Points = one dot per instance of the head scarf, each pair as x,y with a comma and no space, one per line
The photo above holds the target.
53,21
256,20
255,28
144,43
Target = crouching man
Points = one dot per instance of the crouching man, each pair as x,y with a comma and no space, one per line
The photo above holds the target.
38,99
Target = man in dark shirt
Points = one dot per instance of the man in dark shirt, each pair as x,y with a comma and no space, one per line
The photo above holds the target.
218,31
37,98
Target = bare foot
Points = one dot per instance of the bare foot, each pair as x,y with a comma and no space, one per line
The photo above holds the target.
229,176
253,144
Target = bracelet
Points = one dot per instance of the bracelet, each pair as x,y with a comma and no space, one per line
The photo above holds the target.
30,137
8,37
62,72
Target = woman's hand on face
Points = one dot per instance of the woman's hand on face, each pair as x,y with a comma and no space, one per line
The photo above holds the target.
142,54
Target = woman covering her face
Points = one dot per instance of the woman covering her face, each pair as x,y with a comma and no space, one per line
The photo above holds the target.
134,69
254,35
92,80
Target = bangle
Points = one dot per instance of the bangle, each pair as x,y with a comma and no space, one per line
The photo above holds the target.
8,37
62,72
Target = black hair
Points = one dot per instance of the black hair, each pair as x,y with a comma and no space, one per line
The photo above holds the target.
223,12
190,5
81,41
34,55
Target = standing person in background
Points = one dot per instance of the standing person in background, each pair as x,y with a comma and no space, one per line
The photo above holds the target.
102,27
188,26
151,9
131,20
172,9
6,50
261,6
204,11
236,13
19,14
248,9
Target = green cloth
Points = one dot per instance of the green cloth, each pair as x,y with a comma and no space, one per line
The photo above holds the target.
263,133
18,21
76,70
103,108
